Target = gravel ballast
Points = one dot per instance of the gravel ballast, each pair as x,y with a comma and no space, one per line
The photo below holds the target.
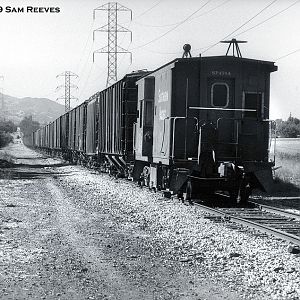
254,265
67,232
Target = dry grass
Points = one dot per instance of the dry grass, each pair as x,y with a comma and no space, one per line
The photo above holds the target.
290,168
287,177
6,160
5,156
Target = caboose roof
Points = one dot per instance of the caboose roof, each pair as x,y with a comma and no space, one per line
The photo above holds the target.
211,59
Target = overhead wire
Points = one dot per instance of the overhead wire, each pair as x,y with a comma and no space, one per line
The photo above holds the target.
198,16
88,56
123,56
147,10
241,26
133,20
248,29
85,83
288,54
271,17
86,61
86,43
172,29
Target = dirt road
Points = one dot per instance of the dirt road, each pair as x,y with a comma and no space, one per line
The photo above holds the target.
62,238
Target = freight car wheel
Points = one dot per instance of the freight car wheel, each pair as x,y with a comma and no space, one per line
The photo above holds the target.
233,198
146,176
245,193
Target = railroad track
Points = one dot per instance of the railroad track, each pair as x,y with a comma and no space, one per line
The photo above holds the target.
266,219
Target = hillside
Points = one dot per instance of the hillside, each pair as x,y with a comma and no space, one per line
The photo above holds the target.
42,110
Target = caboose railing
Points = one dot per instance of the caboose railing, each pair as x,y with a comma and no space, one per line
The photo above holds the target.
173,133
235,143
273,135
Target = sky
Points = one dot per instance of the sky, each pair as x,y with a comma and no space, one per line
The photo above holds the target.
36,47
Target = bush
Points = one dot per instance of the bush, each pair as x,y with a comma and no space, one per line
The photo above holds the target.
5,139
8,126
27,125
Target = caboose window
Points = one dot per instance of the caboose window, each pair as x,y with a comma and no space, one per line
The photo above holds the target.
219,94
253,101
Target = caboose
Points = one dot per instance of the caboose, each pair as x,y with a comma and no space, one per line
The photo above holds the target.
203,126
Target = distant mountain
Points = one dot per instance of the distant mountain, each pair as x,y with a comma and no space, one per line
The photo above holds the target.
42,110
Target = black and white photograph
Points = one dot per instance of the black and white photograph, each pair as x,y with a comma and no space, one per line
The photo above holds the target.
149,150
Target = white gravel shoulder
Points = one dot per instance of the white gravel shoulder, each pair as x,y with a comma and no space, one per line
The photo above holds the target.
254,265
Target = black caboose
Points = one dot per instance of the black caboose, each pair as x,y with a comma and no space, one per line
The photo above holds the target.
203,126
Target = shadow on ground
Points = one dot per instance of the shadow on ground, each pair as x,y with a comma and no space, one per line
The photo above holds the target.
11,171
284,194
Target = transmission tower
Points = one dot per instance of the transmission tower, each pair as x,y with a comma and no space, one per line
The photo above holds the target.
112,28
68,86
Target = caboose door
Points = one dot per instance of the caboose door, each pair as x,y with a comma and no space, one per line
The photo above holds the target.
220,101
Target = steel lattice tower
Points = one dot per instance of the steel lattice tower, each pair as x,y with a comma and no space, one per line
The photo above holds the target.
68,86
112,28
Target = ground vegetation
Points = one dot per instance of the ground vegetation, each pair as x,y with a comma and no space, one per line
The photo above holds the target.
6,128
28,125
289,128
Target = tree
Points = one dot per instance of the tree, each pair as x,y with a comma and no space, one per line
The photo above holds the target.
6,127
27,125
289,128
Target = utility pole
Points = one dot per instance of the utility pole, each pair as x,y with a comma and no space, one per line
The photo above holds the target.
2,96
112,28
68,86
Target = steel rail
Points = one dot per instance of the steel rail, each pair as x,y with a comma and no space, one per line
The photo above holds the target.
262,228
276,210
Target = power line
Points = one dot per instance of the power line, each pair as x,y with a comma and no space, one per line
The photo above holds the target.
85,83
133,20
86,61
196,17
167,32
273,16
146,11
249,20
286,55
179,52
85,47
258,24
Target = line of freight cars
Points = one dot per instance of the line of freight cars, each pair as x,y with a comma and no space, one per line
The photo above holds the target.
193,126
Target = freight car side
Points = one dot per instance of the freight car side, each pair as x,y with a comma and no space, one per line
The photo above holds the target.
92,119
116,116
